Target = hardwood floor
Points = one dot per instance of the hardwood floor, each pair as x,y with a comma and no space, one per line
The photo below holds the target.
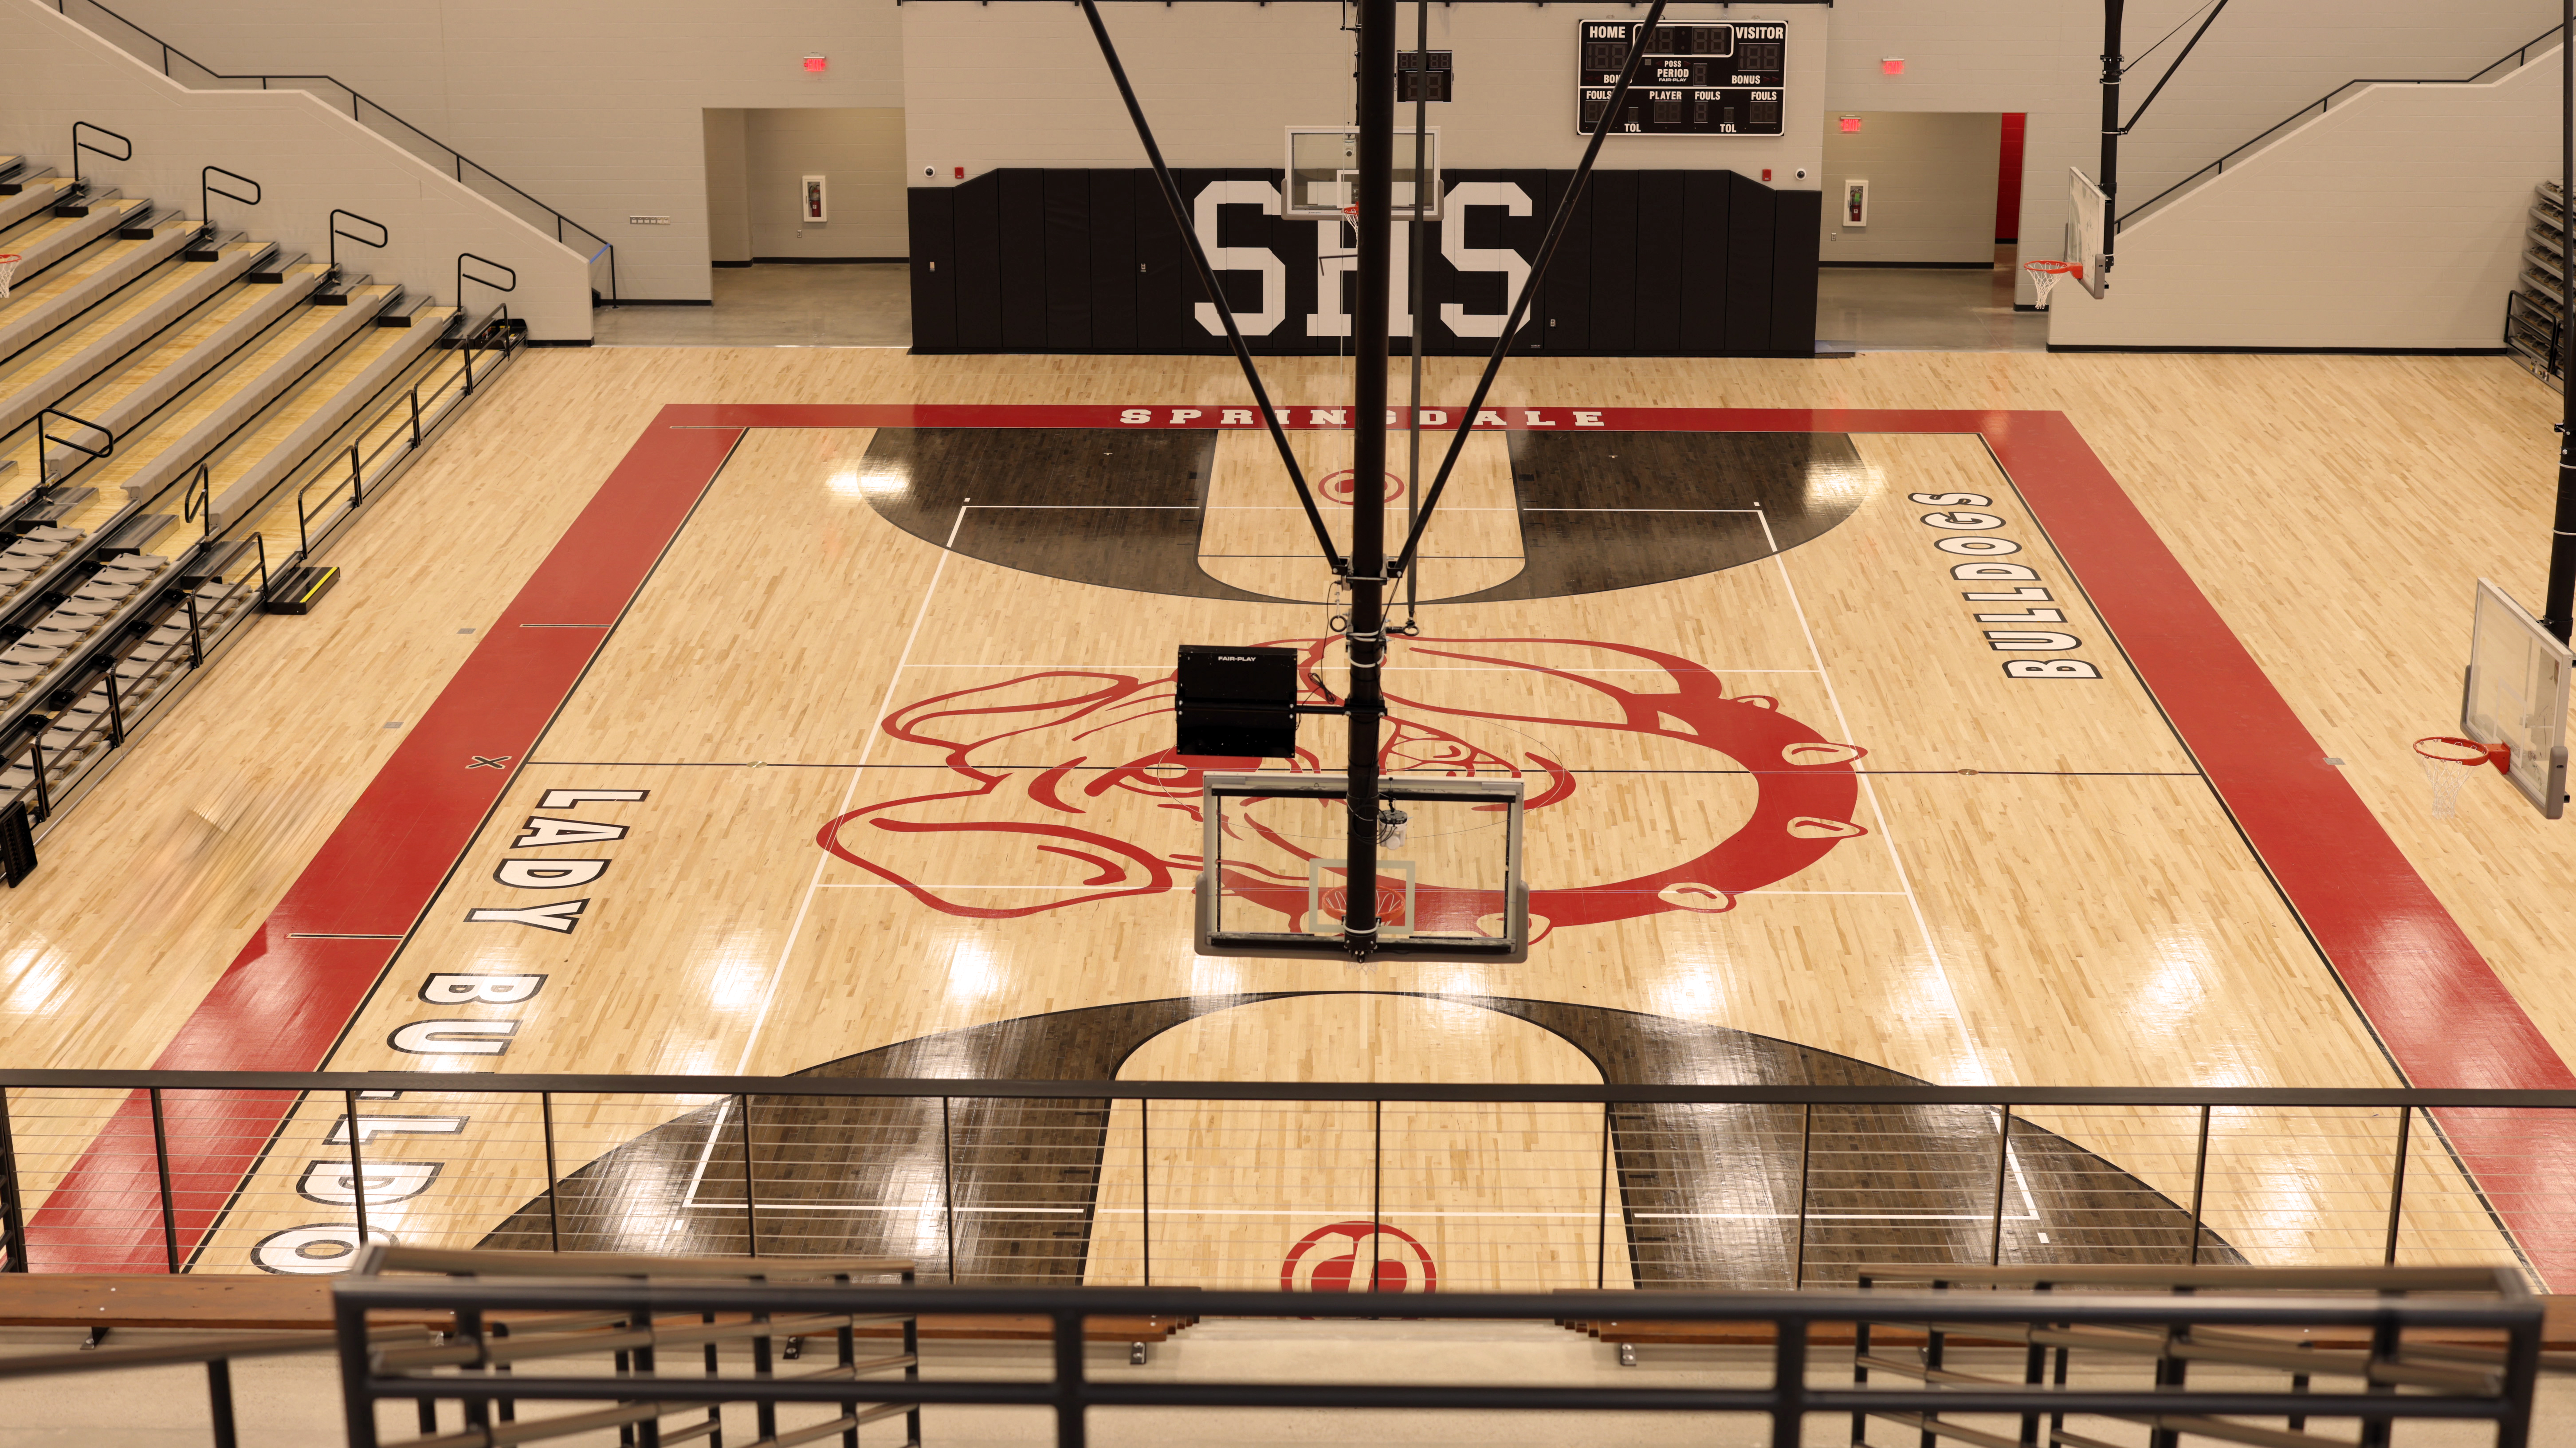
2076,910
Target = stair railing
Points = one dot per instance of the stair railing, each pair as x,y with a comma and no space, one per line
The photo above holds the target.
384,235
149,47
79,145
207,191
2513,59
462,277
43,475
197,499
362,460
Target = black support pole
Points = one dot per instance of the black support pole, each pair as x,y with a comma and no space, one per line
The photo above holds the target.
2110,134
1365,644
2558,603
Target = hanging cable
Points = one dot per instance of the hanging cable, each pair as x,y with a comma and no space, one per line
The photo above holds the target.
1556,227
1216,294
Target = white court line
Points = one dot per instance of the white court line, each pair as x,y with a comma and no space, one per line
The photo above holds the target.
885,706
1886,835
1581,1215
1072,889
1391,668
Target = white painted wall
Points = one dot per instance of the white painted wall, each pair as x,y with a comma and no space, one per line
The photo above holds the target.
1931,181
858,152
2394,220
728,217
593,106
1023,85
307,158
2261,61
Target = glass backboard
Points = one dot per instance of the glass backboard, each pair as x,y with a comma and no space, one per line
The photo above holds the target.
2516,695
1277,879
2088,224
1324,171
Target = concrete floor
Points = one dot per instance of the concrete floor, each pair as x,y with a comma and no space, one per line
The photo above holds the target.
825,305
869,305
297,1400
1900,309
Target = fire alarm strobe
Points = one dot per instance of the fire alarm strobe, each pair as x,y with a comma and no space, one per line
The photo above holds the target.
1237,703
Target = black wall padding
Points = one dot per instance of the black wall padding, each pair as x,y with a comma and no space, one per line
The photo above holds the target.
934,268
1654,264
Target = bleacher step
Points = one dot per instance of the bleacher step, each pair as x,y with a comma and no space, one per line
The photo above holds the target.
45,308
298,589
28,195
121,342
57,238
250,477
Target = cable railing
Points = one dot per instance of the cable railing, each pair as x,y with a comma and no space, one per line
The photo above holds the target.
2511,60
180,66
1241,1185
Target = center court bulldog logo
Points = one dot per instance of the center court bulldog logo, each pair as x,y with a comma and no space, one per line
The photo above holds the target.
1061,788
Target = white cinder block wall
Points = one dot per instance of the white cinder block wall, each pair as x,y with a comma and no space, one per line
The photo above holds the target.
1931,181
1023,85
598,107
307,158
2371,226
2259,63
595,107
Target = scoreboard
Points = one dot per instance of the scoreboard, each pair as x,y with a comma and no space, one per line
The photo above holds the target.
1697,79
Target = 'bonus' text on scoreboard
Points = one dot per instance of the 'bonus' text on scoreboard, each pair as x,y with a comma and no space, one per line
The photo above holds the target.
1696,80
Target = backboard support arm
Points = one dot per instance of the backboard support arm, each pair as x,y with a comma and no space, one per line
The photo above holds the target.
2112,13
1207,279
2558,600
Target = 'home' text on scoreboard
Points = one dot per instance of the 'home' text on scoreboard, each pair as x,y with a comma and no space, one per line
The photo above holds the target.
1697,80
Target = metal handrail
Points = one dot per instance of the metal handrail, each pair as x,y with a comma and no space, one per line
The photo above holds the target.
960,1088
384,235
412,438
463,257
45,479
2012,1106
79,145
197,499
2320,105
1789,1397
458,158
207,191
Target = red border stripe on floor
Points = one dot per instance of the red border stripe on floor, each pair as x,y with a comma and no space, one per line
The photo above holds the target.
2445,1017
288,996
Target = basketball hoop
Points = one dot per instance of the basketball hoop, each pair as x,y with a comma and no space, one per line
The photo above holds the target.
2447,761
8,268
2045,275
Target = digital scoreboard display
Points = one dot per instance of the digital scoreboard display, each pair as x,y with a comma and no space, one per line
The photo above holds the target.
1697,80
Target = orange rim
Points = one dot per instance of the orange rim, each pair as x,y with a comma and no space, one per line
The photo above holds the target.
2456,750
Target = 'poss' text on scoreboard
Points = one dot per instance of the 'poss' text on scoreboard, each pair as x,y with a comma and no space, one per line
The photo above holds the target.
1697,80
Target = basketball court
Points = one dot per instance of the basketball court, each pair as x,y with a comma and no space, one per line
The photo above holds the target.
791,732
727,716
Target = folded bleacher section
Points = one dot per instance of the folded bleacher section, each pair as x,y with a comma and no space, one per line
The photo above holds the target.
186,418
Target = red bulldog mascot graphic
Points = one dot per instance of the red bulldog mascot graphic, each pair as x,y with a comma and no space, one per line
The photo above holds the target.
1075,766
